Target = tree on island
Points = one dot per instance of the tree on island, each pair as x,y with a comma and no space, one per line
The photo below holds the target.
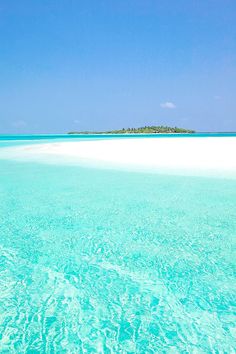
143,130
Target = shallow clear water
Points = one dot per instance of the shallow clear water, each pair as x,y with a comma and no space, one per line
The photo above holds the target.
102,261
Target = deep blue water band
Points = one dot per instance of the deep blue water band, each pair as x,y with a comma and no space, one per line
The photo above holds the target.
111,136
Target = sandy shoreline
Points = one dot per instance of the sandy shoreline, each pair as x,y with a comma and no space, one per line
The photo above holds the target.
171,155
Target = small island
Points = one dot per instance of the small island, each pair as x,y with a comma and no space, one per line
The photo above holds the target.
142,130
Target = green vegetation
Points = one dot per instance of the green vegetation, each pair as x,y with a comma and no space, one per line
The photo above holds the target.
142,130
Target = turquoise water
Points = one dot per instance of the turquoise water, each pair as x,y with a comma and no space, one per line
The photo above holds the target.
105,261
107,136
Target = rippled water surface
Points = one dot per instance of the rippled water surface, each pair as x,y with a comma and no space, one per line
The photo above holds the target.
102,261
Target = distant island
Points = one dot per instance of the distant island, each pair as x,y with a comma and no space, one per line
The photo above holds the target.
142,130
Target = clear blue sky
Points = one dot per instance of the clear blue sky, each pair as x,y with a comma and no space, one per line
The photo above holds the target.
105,64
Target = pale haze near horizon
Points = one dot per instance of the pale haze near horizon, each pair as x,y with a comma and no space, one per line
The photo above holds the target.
101,65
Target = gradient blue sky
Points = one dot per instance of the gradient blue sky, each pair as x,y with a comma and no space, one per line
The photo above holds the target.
105,64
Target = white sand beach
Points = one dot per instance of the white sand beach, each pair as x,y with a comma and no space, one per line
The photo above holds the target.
194,156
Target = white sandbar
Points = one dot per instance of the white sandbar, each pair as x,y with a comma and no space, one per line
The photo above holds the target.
170,155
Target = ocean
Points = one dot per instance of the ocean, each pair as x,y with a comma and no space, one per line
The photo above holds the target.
110,261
